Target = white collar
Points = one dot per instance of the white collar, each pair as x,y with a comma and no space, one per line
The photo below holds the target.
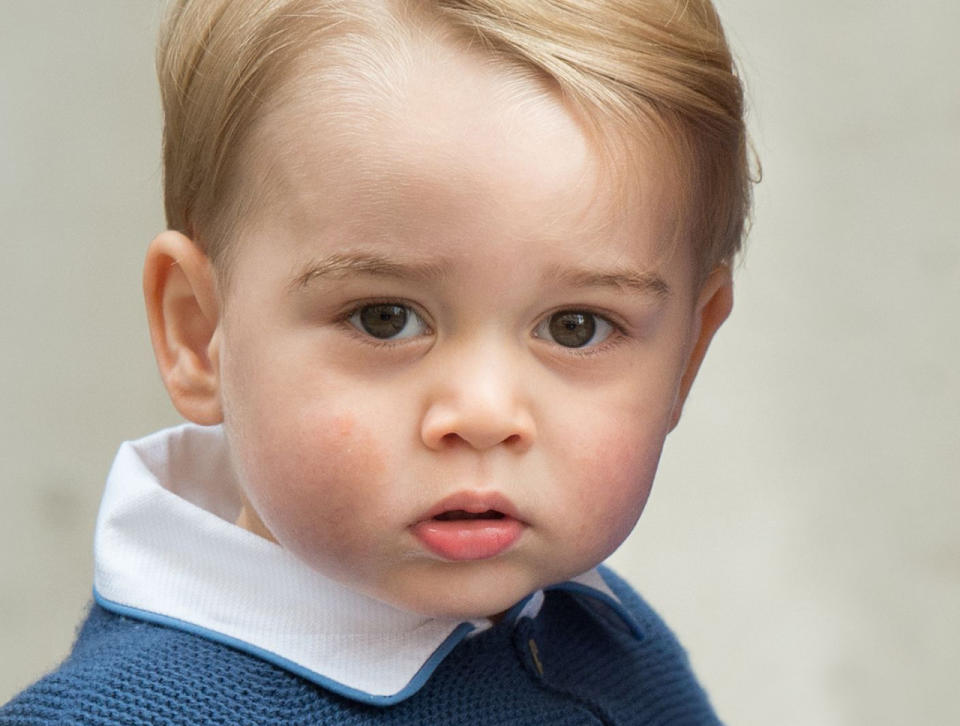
166,550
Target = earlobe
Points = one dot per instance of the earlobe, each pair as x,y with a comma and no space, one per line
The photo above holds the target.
179,288
713,307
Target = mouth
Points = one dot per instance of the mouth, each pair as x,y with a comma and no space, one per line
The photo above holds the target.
459,515
470,526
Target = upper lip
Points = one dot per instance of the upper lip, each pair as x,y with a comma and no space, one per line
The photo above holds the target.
474,502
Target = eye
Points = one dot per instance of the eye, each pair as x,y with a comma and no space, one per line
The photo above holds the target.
574,329
388,321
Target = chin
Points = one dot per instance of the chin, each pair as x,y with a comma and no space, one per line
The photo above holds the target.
467,611
467,595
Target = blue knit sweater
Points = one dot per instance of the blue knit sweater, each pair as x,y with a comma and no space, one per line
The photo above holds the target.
572,664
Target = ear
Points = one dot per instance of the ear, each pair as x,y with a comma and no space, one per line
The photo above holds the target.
179,288
714,304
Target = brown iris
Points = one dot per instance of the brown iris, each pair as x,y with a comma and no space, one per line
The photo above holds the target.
572,329
383,320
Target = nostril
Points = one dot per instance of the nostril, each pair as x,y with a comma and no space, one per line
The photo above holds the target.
455,439
451,439
446,429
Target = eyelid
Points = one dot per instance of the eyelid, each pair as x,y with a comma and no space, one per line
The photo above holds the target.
354,305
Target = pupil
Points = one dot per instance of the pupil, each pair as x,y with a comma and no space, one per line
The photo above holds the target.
383,321
572,329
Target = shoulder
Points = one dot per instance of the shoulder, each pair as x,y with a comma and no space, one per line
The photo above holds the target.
651,624
606,661
123,670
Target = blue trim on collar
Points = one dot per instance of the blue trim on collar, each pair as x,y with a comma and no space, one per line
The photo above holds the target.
415,684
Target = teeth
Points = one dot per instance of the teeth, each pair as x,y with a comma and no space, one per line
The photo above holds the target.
458,514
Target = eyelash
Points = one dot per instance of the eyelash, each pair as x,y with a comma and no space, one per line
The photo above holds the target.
617,336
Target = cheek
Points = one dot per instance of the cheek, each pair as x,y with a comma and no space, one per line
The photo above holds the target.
615,468
619,475
308,476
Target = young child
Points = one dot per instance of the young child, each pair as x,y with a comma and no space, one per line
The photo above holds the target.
439,277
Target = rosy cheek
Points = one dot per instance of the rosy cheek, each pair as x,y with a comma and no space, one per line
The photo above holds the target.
615,483
309,482
344,426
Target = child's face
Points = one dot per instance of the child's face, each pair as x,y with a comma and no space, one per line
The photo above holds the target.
444,314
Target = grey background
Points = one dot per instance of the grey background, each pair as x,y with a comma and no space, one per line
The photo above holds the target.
802,538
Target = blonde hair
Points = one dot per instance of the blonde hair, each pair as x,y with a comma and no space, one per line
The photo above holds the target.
657,72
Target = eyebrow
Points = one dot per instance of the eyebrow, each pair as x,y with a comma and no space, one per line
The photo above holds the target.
646,283
339,266
342,265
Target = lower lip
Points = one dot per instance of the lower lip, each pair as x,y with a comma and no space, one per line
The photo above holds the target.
468,539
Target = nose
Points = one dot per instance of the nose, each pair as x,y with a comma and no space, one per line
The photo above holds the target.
478,399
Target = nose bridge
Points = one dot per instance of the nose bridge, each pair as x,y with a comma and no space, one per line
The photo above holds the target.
477,397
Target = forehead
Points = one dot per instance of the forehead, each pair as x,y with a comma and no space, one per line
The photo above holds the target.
442,134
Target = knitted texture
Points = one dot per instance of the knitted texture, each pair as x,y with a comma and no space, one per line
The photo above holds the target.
573,664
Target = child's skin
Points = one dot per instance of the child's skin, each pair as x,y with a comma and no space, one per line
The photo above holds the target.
472,209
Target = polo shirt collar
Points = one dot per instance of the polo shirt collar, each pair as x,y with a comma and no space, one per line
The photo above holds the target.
166,551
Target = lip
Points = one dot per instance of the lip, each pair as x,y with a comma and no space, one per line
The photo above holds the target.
473,502
470,539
